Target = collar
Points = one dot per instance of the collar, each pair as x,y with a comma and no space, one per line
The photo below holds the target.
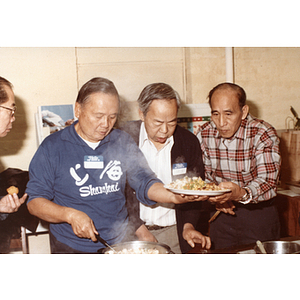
70,134
144,136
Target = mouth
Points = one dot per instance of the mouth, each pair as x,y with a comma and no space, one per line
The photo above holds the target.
104,133
225,133
161,140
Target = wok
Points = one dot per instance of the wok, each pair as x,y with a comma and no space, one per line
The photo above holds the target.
136,245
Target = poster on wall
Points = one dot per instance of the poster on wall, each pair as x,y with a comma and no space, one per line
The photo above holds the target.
192,116
52,118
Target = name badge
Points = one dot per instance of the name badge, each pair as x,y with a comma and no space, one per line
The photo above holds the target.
93,162
179,169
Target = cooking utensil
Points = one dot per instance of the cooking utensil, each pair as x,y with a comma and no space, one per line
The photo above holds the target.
261,247
104,242
162,248
214,216
279,247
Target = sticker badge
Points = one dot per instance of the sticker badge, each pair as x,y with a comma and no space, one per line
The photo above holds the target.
179,169
93,162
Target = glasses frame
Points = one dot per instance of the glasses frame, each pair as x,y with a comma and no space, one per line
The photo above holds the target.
12,110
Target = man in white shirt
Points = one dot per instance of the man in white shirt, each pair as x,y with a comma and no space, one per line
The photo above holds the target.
172,152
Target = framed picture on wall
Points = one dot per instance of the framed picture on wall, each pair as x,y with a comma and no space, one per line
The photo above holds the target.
52,118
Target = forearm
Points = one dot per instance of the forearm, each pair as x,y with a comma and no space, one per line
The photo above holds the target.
81,223
158,193
49,211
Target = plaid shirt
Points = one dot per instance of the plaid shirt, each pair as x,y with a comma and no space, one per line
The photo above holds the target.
251,158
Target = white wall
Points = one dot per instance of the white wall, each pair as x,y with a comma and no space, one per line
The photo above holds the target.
40,76
43,76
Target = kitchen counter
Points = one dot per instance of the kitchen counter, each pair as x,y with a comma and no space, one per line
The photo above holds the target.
244,249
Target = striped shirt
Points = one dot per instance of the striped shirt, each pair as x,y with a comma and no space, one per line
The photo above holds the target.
251,158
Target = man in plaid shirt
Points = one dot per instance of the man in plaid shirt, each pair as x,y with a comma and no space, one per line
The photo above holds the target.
240,153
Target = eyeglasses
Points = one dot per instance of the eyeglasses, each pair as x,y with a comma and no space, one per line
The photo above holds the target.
12,110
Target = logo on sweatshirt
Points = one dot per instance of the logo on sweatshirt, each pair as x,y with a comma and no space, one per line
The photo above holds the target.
114,172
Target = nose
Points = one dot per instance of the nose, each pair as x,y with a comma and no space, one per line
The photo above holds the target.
105,122
164,128
222,120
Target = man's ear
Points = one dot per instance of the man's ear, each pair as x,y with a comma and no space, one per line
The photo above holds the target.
141,115
245,111
77,110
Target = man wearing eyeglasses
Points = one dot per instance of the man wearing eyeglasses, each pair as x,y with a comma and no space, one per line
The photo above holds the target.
8,203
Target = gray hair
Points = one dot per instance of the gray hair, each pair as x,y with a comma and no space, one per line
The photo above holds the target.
96,85
156,91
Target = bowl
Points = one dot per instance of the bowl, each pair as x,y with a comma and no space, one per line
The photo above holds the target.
279,247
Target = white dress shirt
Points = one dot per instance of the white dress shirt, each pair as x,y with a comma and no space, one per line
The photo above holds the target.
162,214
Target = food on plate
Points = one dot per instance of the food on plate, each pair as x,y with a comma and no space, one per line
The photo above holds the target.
194,184
12,189
134,251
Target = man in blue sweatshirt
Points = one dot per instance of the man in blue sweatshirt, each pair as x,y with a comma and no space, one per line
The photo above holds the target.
78,175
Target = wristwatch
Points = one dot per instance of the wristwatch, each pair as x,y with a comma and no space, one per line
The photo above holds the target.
247,197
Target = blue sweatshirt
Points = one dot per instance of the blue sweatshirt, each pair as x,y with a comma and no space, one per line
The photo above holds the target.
66,170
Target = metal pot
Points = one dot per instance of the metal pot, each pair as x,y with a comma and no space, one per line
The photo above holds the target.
279,247
135,245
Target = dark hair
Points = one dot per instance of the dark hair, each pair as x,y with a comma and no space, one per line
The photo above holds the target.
3,95
241,94
96,85
156,91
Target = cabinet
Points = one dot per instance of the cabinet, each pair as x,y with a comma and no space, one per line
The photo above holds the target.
289,213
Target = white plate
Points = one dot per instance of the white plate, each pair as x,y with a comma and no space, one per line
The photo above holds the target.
198,193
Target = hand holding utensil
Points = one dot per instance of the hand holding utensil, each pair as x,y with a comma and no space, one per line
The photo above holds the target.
104,242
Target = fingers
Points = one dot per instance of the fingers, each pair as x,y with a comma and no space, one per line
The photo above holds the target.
191,198
207,243
227,207
85,231
191,243
18,201
204,241
82,225
13,203
193,237
94,233
23,199
219,199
